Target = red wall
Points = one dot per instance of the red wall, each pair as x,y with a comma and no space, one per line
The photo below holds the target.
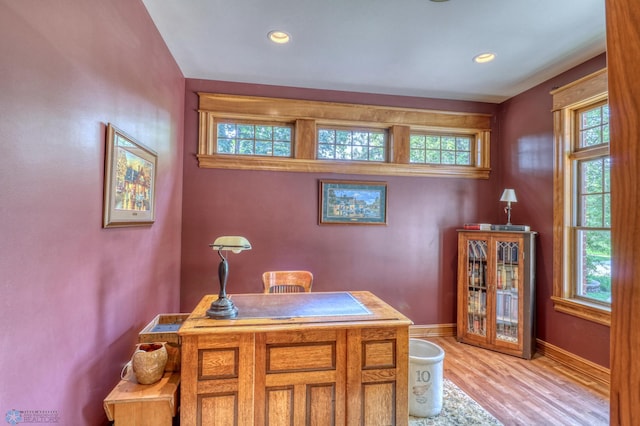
410,263
74,295
526,164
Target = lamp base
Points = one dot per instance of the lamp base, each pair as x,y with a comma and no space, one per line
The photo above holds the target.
222,308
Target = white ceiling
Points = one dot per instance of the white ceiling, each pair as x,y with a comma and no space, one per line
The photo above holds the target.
400,47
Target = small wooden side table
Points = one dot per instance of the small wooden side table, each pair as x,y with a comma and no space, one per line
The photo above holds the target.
133,404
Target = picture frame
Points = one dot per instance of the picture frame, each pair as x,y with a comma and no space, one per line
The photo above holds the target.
352,202
129,181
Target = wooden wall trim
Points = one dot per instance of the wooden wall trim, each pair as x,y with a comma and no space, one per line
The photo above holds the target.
580,365
432,330
623,51
336,112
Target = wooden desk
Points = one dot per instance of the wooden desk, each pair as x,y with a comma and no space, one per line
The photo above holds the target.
132,404
293,359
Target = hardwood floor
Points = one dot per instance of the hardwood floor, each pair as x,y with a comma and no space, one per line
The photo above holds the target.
522,392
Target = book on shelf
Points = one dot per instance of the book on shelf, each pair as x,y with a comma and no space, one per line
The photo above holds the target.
477,226
523,228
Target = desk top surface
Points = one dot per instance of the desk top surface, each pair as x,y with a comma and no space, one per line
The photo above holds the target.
316,309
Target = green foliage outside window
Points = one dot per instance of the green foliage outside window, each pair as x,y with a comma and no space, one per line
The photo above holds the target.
594,209
353,145
440,149
254,139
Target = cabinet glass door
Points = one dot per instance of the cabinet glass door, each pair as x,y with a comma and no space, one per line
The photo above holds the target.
477,288
506,300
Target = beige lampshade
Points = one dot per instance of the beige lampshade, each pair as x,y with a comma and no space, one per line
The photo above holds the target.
509,195
234,243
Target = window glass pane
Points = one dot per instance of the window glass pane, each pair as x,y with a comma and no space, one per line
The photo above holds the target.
417,142
441,149
326,151
376,139
246,147
594,126
607,211
417,156
592,118
463,158
226,146
226,131
376,154
592,176
360,138
433,157
358,153
264,132
448,157
326,136
263,148
282,134
433,142
343,138
594,265
463,144
592,211
245,131
591,137
256,139
281,149
354,145
449,143
343,152
593,194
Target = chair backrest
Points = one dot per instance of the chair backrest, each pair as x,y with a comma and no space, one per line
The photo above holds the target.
287,281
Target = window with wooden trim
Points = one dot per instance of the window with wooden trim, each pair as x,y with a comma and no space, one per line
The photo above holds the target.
582,215
254,138
351,144
256,133
454,150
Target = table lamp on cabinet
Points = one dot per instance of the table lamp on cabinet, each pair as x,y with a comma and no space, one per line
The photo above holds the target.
223,307
508,196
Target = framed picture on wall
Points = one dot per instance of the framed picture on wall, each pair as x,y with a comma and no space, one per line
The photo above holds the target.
129,181
352,202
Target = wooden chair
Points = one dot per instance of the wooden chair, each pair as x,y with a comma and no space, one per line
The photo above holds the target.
287,281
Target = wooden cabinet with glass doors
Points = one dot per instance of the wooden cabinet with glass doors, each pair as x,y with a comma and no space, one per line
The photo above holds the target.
496,291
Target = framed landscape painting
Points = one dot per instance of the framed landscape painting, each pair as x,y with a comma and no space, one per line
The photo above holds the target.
352,202
129,181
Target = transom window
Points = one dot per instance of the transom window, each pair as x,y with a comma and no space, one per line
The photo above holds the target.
440,149
352,144
263,139
279,134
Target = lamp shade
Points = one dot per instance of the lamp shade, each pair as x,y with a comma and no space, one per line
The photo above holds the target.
233,243
509,195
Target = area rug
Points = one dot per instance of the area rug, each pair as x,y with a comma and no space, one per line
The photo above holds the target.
458,408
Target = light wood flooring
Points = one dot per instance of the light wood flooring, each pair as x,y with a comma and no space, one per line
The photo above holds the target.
521,392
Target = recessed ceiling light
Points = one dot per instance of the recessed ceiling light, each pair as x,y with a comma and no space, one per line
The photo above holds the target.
439,1
279,37
484,57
